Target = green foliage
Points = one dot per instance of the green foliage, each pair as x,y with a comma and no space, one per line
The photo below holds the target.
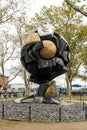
78,0
77,98
82,7
53,82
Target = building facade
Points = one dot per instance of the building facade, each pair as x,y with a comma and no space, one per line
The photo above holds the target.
4,81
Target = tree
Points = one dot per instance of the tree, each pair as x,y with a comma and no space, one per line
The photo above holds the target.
20,26
10,10
81,9
7,55
7,10
75,33
83,76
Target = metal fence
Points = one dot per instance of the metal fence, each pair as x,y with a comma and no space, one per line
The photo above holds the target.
11,94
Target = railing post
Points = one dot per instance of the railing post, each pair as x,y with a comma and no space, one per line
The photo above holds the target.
29,113
2,110
59,114
83,106
86,112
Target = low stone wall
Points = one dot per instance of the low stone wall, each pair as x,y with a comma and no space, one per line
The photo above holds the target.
41,112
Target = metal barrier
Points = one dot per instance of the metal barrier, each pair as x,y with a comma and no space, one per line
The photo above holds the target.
11,94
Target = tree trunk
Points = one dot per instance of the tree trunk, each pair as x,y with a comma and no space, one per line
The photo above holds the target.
3,73
69,89
26,81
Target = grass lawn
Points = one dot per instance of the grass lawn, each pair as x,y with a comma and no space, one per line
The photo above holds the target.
79,98
11,98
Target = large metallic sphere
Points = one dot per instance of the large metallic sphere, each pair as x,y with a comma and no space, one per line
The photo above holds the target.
49,49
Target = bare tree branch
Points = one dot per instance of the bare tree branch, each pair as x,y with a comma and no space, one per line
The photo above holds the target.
76,8
14,77
9,16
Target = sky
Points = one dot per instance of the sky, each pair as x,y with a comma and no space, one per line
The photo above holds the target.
35,8
37,5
